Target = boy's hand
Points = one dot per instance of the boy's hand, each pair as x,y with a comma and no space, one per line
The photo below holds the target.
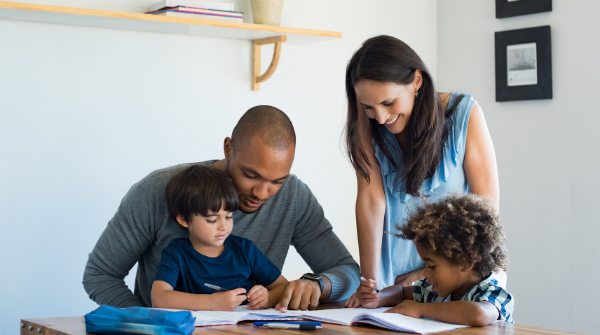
352,302
408,308
367,294
228,301
258,297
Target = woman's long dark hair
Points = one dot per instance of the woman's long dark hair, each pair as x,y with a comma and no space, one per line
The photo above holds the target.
387,59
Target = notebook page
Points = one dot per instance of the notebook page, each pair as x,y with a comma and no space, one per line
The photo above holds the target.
242,313
268,311
213,318
264,314
341,316
401,322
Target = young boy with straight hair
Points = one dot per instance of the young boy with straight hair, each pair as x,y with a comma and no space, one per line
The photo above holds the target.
191,270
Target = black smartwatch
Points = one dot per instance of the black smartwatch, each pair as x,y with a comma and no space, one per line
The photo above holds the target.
315,277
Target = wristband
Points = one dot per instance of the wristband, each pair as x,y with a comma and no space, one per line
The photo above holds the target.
315,277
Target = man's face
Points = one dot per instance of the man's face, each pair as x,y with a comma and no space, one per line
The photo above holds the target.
258,172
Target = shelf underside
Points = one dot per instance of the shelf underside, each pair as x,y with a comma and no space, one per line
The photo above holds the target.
153,23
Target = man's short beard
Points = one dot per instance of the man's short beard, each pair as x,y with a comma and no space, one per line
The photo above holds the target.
246,212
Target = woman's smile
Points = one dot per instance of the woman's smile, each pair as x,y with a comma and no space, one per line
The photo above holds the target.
393,121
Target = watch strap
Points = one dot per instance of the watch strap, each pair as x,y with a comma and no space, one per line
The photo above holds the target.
315,277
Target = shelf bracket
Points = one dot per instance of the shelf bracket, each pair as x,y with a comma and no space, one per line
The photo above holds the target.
257,78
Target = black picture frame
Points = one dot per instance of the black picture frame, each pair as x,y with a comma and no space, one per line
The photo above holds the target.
524,87
506,8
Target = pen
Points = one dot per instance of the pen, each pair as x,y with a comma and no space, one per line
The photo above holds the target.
220,289
363,279
215,287
264,323
291,326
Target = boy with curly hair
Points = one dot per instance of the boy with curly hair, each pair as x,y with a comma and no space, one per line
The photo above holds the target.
461,241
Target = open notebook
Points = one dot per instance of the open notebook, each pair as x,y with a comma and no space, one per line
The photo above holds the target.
343,316
242,313
376,317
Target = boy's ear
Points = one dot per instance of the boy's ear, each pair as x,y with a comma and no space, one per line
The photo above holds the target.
468,268
182,221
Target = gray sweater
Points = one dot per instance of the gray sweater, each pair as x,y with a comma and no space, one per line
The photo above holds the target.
142,227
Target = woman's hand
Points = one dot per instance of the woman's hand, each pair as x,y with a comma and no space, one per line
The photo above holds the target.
409,278
407,307
258,297
228,301
367,294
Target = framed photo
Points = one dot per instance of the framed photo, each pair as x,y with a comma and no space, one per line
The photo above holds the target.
523,64
508,8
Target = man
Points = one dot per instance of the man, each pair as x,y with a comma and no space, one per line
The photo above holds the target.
276,210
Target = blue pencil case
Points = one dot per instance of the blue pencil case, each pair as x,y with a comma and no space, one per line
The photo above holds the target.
138,320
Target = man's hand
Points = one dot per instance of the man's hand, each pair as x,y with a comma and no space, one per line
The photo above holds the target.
258,297
408,308
228,301
300,294
409,278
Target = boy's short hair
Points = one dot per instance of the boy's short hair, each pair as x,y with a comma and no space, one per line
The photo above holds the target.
464,228
198,189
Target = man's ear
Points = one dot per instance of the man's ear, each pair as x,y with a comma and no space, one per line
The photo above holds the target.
182,221
228,148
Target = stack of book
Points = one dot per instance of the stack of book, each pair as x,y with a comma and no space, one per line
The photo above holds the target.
197,10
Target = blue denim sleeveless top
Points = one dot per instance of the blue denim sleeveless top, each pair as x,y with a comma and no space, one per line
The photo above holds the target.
400,256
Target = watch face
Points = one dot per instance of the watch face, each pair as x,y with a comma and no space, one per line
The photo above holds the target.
311,276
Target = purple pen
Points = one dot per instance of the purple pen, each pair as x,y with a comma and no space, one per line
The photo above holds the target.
374,288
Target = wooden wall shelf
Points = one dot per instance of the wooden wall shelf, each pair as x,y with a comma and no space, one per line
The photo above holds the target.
156,23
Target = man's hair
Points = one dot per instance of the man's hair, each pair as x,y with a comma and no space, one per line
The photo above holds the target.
198,189
270,124
463,228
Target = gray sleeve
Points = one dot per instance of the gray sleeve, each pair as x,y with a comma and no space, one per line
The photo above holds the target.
127,236
320,247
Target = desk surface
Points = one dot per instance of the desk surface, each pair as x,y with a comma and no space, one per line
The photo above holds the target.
76,326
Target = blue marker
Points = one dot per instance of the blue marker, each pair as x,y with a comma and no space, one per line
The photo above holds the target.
312,323
285,325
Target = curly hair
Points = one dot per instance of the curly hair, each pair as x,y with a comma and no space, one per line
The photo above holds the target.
464,228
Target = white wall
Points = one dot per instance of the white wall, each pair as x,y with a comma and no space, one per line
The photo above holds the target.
548,155
86,112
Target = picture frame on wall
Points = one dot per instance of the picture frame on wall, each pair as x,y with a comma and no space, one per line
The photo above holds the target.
509,8
523,64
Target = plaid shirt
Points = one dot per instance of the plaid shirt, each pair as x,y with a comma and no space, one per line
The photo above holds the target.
486,290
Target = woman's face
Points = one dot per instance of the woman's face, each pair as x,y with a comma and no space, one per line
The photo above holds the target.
388,103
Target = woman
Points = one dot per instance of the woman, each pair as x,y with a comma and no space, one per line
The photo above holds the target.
407,143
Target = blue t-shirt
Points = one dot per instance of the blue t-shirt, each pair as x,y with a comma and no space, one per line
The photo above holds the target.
240,265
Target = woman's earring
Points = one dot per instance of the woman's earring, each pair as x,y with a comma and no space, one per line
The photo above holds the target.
416,93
